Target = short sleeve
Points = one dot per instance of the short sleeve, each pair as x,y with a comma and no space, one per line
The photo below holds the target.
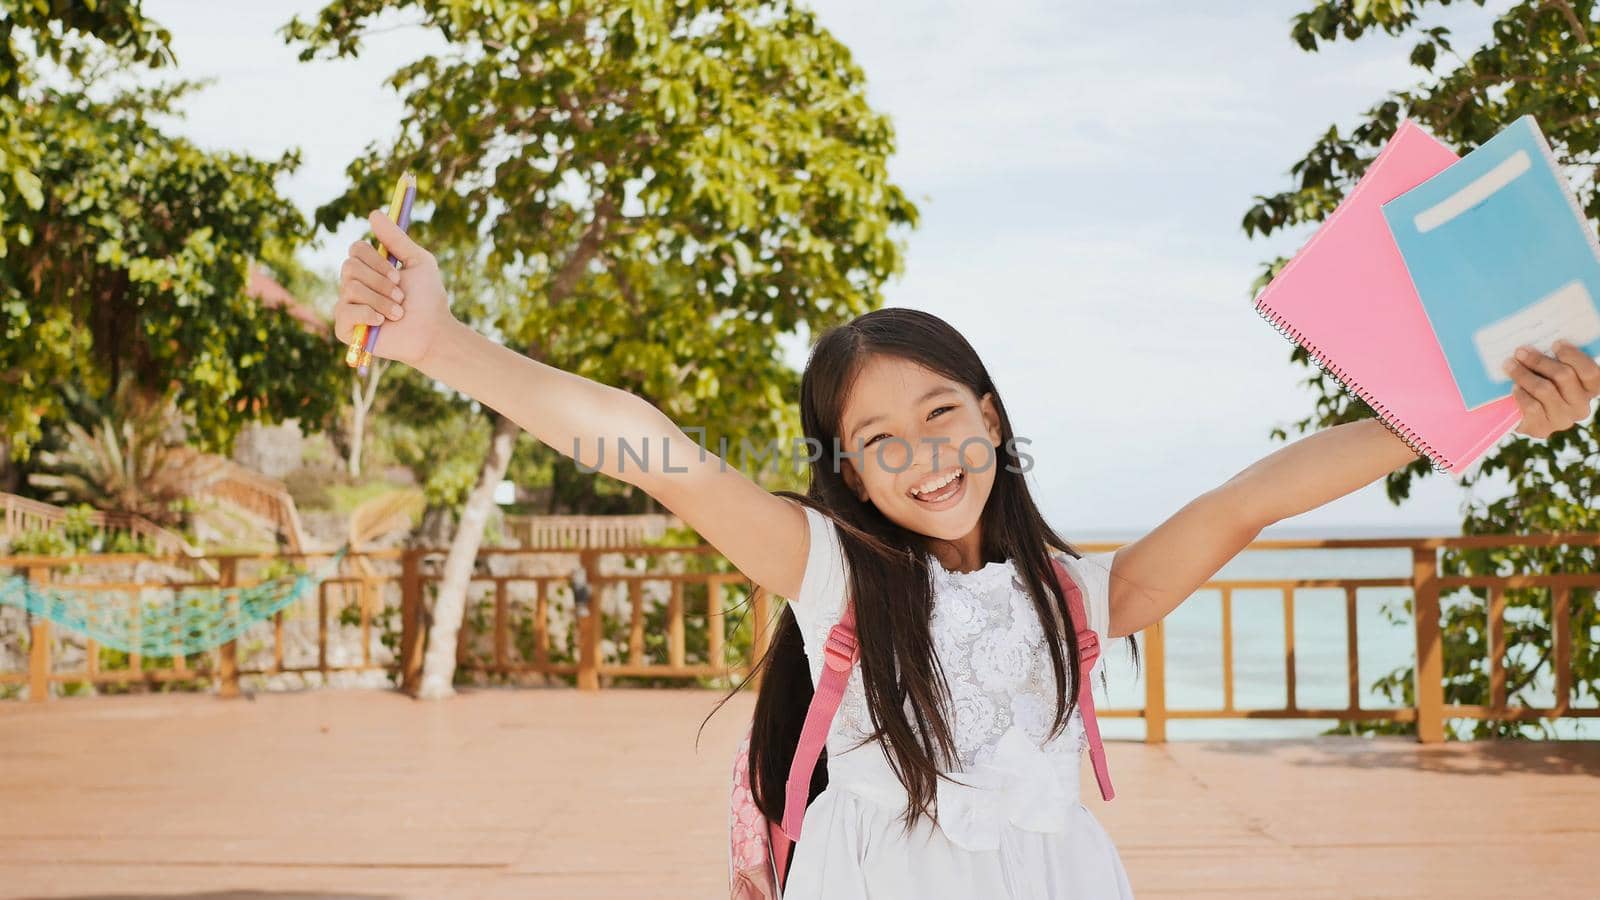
1094,577
822,587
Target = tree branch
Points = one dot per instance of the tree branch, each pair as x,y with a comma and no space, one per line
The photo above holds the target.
1579,31
571,270
623,286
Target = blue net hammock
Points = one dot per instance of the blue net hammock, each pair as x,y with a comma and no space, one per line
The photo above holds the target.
191,620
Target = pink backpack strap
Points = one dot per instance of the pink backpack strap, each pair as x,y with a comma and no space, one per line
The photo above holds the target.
840,653
1088,652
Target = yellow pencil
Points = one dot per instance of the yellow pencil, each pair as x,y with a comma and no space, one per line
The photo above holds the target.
361,342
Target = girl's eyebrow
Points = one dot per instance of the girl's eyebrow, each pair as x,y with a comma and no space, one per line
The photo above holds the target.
935,392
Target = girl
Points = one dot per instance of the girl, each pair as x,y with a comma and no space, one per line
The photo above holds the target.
952,766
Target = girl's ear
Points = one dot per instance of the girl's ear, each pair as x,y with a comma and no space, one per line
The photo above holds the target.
991,417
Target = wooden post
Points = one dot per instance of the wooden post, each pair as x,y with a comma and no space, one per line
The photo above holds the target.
588,652
635,590
675,626
761,635
277,642
1352,650
413,635
589,627
322,632
1430,646
502,628
1497,648
1155,684
1561,636
1289,673
716,628
228,676
39,646
463,635
369,591
1227,649
541,623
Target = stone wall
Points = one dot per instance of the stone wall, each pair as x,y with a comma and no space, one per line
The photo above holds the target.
272,450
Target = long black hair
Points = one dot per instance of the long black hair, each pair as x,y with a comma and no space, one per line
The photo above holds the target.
889,577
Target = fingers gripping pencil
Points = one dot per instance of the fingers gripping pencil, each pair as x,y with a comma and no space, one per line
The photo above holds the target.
362,338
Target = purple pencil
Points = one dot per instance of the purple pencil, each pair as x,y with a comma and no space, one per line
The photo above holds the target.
407,190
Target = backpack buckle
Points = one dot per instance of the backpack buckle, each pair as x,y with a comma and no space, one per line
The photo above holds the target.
839,651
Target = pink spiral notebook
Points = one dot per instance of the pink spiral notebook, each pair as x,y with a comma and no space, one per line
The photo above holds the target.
1348,299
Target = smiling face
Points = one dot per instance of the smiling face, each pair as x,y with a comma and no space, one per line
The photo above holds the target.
927,447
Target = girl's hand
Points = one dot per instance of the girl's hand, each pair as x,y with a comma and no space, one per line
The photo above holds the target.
1554,392
409,301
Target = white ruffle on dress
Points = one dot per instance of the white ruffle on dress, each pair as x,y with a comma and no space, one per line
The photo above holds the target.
1014,827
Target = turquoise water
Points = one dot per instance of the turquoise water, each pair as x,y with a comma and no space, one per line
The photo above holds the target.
1194,647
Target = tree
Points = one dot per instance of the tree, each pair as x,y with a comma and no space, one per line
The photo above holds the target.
129,461
1541,60
124,250
665,188
320,290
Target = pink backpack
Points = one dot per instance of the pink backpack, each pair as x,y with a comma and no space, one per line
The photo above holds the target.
758,849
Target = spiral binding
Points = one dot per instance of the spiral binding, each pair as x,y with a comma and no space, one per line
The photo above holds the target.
1389,420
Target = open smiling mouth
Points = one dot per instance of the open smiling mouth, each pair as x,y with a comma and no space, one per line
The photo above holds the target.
943,491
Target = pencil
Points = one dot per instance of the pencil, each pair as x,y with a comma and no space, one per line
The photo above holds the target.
362,338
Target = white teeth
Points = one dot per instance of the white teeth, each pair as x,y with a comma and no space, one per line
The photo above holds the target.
929,488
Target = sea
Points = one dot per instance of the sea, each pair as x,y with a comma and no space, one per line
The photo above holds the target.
1385,641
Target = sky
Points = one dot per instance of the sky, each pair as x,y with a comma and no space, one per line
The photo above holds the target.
1081,168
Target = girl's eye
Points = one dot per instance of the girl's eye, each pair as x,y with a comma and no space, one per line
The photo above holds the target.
936,412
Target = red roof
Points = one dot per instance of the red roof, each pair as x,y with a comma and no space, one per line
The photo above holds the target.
273,295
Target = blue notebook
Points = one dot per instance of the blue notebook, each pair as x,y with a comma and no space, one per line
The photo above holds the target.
1501,256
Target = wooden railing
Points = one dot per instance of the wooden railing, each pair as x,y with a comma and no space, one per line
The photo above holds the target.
267,499
516,635
397,585
579,532
1430,712
23,514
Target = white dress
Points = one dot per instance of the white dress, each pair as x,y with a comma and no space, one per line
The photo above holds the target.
1015,828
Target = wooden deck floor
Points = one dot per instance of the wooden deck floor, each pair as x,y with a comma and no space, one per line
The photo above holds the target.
549,793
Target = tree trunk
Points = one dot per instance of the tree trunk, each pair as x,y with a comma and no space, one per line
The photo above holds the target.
362,396
439,663
358,427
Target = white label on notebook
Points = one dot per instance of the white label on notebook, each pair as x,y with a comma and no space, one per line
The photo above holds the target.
1567,314
1478,191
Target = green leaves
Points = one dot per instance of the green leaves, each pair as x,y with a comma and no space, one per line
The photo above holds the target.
1330,19
1540,60
29,185
123,251
651,193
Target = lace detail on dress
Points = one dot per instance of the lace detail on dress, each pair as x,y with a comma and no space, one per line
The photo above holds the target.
991,645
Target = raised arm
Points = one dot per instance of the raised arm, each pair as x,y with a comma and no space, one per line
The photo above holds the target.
1152,575
762,534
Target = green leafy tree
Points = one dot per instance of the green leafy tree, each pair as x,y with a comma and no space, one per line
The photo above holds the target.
664,189
124,250
433,432
128,461
1540,60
